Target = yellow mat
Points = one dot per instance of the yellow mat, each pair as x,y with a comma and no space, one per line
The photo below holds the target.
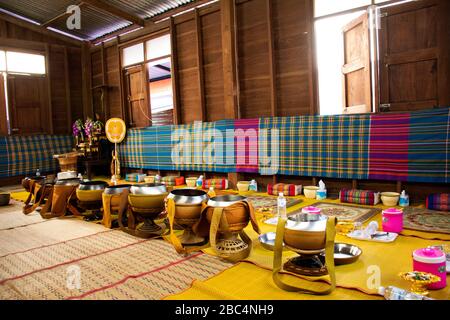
246,281
20,196
388,259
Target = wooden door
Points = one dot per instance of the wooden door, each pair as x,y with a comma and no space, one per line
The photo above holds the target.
3,118
137,97
414,56
356,69
28,104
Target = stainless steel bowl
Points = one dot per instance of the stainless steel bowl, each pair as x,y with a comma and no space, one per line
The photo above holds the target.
117,189
148,189
68,182
225,201
67,175
93,185
267,240
345,253
307,222
188,196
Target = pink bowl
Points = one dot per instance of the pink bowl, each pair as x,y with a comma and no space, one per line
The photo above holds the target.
392,220
311,210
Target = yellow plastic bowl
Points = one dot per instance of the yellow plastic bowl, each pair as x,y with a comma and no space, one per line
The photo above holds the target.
243,185
390,199
191,182
310,191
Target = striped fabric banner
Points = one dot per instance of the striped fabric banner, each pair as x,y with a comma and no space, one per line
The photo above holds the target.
326,146
23,155
411,146
246,145
389,138
393,146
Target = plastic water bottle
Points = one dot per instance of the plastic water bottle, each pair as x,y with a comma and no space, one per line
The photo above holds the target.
394,293
38,173
200,182
281,205
404,199
253,186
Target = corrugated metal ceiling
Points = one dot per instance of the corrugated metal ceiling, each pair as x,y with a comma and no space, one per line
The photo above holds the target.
94,22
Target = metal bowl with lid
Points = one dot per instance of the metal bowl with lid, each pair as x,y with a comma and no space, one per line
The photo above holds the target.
68,182
92,185
188,197
148,189
188,209
117,189
306,233
225,200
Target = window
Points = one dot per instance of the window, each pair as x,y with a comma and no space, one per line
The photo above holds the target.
325,7
149,62
22,79
159,74
25,62
133,54
20,62
158,47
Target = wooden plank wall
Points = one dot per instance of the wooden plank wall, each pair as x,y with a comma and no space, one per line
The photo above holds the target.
64,68
274,64
274,67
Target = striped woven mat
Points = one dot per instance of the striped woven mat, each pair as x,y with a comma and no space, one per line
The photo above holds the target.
72,259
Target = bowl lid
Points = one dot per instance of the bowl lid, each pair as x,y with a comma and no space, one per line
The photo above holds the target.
429,255
225,200
307,222
392,211
311,209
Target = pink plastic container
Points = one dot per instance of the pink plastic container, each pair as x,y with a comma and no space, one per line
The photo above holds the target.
432,261
311,210
392,220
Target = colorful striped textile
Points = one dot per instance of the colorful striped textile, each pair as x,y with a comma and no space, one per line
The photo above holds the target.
246,145
367,197
410,146
438,201
287,189
220,184
393,146
23,155
324,146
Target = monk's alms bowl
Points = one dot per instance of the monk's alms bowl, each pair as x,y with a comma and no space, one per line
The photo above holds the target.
117,189
148,189
237,216
306,233
188,205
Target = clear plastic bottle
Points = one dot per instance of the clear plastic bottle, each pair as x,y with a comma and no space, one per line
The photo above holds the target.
281,205
38,173
253,186
394,293
404,199
199,182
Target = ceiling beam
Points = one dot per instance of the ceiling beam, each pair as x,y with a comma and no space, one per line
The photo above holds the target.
178,10
108,8
60,16
39,29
